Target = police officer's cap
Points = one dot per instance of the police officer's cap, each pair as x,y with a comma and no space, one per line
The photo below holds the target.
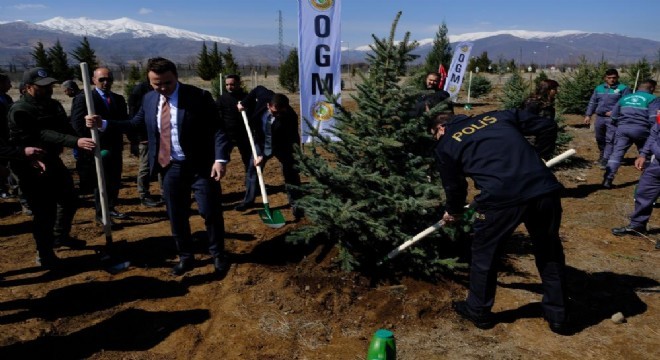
38,76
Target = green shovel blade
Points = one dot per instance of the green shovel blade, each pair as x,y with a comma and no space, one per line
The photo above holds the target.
272,218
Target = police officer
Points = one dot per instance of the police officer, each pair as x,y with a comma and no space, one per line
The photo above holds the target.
36,120
648,188
634,115
516,187
603,99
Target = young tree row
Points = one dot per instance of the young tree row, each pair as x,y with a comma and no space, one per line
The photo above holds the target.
56,60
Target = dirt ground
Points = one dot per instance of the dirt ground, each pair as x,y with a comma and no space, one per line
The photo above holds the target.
281,301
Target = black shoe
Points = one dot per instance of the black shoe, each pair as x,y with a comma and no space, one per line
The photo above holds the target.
117,215
148,202
483,322
182,267
26,210
560,327
48,261
243,206
221,264
628,230
70,242
607,183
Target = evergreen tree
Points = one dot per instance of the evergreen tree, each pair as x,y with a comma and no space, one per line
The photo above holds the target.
480,86
630,77
231,67
134,76
85,53
40,57
577,87
60,62
204,67
514,92
540,77
215,58
370,191
289,72
440,53
482,62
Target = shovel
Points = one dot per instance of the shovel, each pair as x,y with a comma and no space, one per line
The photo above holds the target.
111,265
272,218
431,229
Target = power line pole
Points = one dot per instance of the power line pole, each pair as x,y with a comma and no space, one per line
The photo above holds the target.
281,42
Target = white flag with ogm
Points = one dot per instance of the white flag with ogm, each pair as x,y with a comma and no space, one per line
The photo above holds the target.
319,59
459,63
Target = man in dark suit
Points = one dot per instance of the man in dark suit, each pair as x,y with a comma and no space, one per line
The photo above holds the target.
112,107
274,125
187,144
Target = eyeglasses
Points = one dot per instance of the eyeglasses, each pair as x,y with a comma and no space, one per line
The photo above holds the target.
164,83
231,84
105,79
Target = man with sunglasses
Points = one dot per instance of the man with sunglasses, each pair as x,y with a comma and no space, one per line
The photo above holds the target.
112,107
515,187
37,120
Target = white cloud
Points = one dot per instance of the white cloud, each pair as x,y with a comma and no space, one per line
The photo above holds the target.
29,6
144,11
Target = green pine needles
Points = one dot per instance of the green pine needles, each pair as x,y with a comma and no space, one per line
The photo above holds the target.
376,187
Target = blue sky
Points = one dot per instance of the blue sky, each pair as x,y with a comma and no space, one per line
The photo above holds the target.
256,21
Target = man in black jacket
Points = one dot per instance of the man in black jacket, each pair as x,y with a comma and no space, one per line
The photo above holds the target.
36,120
274,125
110,106
516,187
233,122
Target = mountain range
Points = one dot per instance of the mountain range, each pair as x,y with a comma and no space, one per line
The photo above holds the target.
123,40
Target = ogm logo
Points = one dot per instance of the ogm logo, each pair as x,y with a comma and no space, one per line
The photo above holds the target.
453,88
322,5
323,111
465,48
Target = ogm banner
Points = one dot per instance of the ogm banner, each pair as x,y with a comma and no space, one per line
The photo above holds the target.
459,63
319,59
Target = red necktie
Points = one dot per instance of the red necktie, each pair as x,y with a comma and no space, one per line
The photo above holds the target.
107,100
165,134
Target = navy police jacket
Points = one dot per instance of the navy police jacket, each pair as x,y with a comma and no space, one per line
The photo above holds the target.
492,150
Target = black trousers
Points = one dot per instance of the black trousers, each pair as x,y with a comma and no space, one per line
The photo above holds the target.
53,201
179,180
542,218
290,173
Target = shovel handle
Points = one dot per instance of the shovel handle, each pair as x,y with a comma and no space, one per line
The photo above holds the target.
566,154
426,232
100,177
262,185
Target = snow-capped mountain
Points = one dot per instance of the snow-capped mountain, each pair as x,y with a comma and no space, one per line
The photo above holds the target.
125,27
121,40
